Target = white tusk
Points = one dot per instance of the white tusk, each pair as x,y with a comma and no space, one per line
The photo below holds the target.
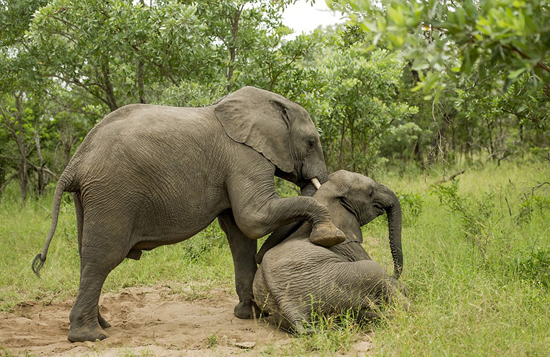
316,183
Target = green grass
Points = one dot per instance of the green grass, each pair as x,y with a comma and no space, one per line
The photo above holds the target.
477,265
477,257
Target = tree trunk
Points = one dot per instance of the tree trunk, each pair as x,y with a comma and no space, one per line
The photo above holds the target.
109,91
140,82
2,172
20,140
491,147
233,47
342,138
40,169
352,144
439,142
418,155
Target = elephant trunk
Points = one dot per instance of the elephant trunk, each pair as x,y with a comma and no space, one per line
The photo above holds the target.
394,226
311,185
308,190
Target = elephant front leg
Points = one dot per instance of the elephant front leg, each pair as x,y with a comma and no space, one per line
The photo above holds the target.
243,250
102,322
260,220
258,210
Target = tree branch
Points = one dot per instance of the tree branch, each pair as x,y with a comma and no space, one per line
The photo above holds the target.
541,64
7,182
452,177
44,169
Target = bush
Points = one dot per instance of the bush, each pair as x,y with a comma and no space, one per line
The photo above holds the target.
476,215
411,206
535,266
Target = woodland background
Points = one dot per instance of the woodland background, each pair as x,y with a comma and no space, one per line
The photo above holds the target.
405,84
446,102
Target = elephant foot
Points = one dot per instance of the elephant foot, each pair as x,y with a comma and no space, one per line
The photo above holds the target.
85,333
104,324
326,234
246,310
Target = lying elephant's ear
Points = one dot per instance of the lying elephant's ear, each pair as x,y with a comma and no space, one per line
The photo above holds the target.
259,119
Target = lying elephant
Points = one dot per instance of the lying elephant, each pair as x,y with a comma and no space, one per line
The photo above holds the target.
297,277
149,175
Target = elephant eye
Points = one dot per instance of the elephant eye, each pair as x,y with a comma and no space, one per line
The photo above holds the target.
311,143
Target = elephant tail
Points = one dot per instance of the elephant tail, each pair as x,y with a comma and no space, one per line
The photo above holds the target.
65,182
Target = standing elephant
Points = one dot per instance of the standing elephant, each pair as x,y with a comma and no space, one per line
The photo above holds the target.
297,277
149,175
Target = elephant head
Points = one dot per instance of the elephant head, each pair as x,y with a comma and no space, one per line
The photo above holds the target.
276,127
366,199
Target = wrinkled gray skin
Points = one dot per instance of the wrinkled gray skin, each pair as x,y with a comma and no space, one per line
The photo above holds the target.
297,277
148,175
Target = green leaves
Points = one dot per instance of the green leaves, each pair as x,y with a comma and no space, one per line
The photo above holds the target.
111,50
351,95
506,38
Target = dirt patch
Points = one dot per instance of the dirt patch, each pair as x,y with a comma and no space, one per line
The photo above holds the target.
146,321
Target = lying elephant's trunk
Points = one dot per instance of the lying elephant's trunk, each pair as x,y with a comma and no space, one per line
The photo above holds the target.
393,210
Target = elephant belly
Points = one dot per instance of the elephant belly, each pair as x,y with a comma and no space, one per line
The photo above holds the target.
147,217
169,229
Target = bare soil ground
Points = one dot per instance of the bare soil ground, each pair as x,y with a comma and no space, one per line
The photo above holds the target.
146,321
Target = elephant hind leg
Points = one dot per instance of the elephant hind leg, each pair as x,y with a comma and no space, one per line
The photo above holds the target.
97,261
80,227
368,315
87,324
291,326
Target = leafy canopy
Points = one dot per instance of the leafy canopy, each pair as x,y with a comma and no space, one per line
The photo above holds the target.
461,39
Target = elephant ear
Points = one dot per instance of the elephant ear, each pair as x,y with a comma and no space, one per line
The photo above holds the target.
259,119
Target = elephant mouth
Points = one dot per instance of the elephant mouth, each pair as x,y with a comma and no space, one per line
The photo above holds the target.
291,177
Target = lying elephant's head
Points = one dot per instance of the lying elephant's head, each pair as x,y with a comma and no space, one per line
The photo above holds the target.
366,200
276,127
